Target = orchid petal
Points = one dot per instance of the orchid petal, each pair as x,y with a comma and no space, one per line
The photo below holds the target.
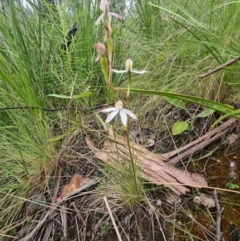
97,59
128,112
104,6
108,109
111,115
123,116
117,16
119,71
99,20
139,71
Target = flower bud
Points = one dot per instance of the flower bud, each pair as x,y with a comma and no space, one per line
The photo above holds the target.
101,49
129,64
104,6
119,105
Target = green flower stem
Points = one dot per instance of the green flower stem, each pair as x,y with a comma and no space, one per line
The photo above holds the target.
110,48
129,84
128,134
104,66
126,95
131,158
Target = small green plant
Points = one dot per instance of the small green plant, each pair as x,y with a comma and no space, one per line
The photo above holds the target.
232,186
105,227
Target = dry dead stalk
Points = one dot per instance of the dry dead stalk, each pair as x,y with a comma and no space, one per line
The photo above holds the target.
218,218
219,67
112,218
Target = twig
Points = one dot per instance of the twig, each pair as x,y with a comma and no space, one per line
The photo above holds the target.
55,206
48,228
219,67
63,215
112,218
80,218
218,218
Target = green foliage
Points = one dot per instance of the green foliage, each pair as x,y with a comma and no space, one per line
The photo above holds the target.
232,186
179,127
33,66
127,182
206,112
175,102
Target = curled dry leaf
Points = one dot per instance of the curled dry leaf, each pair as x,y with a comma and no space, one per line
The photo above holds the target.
205,200
232,139
75,182
150,143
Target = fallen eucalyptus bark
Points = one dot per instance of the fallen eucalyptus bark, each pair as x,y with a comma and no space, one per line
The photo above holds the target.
153,166
158,168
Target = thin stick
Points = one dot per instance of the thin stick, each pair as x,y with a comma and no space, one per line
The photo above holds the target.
111,216
219,67
63,215
218,218
48,228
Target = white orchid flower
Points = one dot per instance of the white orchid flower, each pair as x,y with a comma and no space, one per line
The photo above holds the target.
119,109
106,16
129,64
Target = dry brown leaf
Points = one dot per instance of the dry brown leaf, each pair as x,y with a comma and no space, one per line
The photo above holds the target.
205,200
75,182
232,139
150,143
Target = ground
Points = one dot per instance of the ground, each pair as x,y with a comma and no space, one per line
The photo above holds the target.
159,215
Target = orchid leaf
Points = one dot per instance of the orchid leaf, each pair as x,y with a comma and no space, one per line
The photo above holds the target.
179,127
82,95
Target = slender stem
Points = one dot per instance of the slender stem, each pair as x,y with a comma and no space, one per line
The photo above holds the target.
131,158
110,47
129,84
108,81
128,134
126,95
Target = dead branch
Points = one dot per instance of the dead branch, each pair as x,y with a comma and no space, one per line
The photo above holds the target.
112,218
48,228
63,214
218,218
219,67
